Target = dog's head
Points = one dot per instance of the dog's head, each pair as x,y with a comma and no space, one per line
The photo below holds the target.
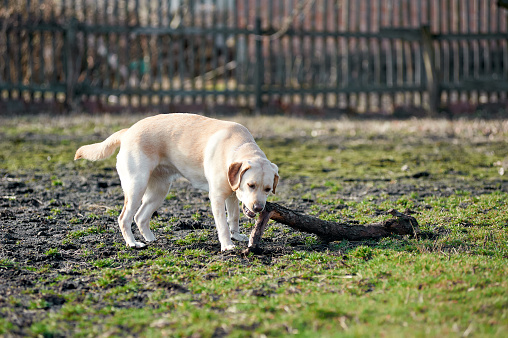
253,181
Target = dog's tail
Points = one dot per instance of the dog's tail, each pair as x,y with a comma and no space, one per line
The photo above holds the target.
102,150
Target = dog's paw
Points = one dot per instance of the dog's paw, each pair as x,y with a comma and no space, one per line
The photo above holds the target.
150,238
228,247
240,237
137,245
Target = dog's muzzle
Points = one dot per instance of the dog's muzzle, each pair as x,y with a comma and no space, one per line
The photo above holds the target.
249,213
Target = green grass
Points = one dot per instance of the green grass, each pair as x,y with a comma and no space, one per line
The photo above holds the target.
6,263
374,291
52,252
194,237
86,231
385,160
448,281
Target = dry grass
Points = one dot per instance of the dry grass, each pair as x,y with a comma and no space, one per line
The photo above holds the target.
262,126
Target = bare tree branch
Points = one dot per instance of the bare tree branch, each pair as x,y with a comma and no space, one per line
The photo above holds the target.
401,224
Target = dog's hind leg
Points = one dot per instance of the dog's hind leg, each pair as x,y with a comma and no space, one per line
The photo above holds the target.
132,202
134,179
158,187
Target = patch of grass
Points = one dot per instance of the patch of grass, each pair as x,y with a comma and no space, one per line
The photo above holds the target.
363,252
156,223
170,196
6,326
56,211
311,240
6,263
39,304
54,180
93,216
75,220
125,255
196,216
85,232
193,237
104,263
196,253
115,211
366,160
52,252
111,277
310,293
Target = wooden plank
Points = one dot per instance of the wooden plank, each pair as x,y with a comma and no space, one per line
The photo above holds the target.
247,91
203,52
56,36
192,54
346,14
455,27
69,46
214,35
313,61
498,47
259,72
40,56
335,43
487,85
467,44
407,74
225,55
32,87
430,70
115,48
280,51
5,59
421,9
410,34
399,49
378,52
129,8
327,9
369,18
9,76
17,61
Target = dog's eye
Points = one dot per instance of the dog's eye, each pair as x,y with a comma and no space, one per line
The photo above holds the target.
250,185
268,189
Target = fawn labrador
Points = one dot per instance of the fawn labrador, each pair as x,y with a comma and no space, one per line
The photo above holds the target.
217,156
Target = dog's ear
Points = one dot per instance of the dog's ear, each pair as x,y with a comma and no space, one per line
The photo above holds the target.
275,176
235,173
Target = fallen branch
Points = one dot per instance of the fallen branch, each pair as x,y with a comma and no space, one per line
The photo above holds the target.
401,224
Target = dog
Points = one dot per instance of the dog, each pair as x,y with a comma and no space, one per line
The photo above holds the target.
217,156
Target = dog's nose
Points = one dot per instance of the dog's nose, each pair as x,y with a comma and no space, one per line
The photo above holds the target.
257,207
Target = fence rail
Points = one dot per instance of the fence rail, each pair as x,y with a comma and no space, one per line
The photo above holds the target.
281,55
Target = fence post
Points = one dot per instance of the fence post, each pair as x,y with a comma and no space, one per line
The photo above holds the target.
259,69
430,69
70,42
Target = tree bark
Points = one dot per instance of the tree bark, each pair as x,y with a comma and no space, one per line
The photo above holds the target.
328,231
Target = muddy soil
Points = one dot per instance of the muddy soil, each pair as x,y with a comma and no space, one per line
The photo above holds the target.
39,213
62,227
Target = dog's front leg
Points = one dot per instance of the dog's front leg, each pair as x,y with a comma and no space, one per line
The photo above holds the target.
233,210
219,213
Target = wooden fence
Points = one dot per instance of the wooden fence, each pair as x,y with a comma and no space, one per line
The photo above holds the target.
280,55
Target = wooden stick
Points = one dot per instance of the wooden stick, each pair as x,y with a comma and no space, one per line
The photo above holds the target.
401,224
